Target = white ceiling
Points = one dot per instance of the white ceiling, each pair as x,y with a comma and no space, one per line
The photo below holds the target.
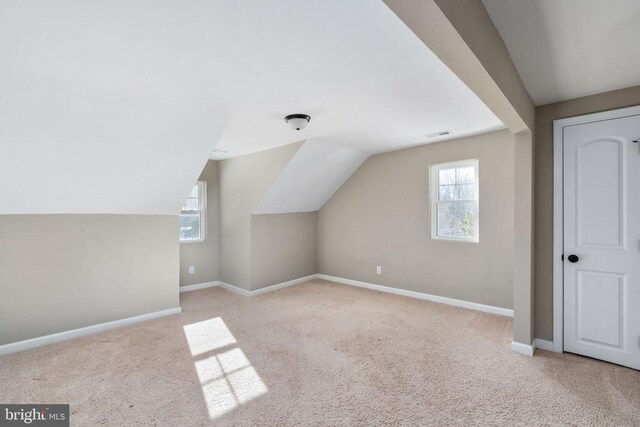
97,113
365,79
113,107
313,175
565,49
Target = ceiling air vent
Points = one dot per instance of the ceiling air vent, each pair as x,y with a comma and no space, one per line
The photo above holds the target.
437,134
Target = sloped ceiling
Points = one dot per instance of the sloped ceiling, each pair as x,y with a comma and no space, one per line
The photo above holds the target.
95,115
363,76
67,148
314,173
114,107
570,48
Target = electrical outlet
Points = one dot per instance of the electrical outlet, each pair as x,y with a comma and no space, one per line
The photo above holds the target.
192,269
378,270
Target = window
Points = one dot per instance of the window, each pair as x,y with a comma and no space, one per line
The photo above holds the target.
454,201
193,215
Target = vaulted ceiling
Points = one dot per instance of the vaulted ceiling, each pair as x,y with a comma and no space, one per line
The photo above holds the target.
366,80
565,49
114,107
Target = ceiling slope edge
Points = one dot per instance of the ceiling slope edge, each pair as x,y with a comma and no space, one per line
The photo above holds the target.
313,175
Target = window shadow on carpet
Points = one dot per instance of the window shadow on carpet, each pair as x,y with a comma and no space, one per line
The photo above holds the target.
227,378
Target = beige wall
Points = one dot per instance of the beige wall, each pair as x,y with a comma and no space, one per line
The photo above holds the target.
462,34
283,247
204,255
243,182
545,116
523,271
61,272
472,21
381,216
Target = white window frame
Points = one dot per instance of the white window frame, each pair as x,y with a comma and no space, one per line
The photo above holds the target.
434,174
202,211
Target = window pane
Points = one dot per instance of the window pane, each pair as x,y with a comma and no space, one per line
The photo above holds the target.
191,205
456,219
189,227
466,175
447,192
447,176
194,191
466,192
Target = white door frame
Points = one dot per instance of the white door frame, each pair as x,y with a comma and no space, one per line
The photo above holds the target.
558,211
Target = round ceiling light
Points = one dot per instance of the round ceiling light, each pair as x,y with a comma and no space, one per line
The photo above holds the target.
297,121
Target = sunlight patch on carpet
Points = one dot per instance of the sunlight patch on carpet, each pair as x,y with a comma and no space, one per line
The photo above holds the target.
208,335
226,376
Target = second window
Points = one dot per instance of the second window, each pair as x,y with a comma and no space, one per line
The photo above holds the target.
455,201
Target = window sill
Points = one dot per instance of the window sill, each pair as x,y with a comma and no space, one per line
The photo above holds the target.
456,239
192,241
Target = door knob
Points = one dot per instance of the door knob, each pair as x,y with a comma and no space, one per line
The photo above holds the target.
573,258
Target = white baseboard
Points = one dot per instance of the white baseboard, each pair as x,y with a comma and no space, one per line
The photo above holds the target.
525,349
198,286
267,289
544,344
434,298
80,332
283,285
235,289
75,333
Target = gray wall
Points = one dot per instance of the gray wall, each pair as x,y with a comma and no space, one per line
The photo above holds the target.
381,216
61,272
243,183
204,255
462,35
545,115
283,247
246,250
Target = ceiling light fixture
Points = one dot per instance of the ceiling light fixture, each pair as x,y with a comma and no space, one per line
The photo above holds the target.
297,121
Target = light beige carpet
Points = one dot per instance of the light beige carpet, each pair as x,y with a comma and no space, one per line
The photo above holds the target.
318,354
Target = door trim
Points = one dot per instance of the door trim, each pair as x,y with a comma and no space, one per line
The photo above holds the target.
558,210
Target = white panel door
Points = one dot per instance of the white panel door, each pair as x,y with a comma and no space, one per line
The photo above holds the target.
602,240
